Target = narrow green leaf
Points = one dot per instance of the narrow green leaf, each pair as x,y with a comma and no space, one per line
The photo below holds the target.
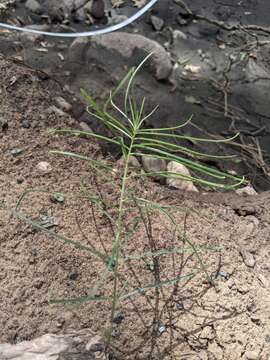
51,233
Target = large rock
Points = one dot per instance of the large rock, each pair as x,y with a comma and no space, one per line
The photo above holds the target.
124,44
178,180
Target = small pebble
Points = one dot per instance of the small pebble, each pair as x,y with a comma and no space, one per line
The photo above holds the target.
16,152
57,198
179,306
119,318
73,275
162,329
248,258
221,273
44,167
157,23
25,124
63,104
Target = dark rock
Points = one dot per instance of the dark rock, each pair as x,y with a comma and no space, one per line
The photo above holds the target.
96,8
179,306
16,152
73,275
25,124
119,318
3,125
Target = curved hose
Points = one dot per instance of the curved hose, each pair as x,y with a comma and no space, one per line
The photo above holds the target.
109,29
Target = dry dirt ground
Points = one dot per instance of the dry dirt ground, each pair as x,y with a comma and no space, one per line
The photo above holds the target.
185,320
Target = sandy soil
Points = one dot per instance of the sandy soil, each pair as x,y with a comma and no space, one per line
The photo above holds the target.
228,321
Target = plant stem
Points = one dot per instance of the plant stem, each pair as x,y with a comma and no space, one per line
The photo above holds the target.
117,241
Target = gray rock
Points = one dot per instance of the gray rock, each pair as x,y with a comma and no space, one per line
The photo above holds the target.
256,70
151,164
157,23
25,124
95,8
16,152
207,333
34,6
133,162
124,44
248,258
73,275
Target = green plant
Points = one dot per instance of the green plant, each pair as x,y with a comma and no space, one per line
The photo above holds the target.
127,131
133,139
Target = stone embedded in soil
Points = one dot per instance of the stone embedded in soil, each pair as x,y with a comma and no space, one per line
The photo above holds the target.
73,275
162,329
3,125
246,191
16,152
248,258
263,281
207,333
252,355
179,306
44,167
152,164
63,104
95,8
157,22
25,124
119,318
133,162
178,179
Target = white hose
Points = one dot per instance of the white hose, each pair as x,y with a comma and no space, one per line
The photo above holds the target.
106,30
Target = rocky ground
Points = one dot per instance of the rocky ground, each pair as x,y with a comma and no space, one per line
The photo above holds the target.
216,71
193,321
